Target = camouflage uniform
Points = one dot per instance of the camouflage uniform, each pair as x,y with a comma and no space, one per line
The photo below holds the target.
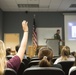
57,36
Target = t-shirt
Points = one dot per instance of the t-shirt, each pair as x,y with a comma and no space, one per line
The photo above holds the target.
70,58
14,63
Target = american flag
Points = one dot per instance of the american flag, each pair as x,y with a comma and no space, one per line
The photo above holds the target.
34,35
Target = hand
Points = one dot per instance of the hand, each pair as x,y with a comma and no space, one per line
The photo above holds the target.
63,41
25,25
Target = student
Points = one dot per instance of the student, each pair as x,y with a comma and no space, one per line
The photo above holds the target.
8,51
46,55
65,55
14,62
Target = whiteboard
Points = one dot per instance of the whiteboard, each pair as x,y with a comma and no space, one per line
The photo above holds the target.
43,33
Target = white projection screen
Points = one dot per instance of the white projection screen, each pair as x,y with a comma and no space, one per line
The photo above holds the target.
70,30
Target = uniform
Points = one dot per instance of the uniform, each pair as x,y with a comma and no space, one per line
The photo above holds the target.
57,36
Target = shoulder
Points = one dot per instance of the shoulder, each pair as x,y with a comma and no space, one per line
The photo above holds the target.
55,34
71,58
57,60
14,63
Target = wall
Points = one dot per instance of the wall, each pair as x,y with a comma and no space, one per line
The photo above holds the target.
12,22
1,23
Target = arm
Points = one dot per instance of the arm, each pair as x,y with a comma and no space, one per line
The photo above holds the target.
22,48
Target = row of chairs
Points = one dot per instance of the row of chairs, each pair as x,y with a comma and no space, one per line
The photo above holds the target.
39,71
66,65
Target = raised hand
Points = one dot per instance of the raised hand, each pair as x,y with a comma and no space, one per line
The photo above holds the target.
25,25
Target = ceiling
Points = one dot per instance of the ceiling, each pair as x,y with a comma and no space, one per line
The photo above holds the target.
38,5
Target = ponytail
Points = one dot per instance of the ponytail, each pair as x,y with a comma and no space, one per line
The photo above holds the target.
44,62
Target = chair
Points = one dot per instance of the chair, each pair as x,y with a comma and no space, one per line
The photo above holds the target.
66,65
21,68
8,57
26,61
54,58
9,71
43,71
35,59
33,63
73,72
29,59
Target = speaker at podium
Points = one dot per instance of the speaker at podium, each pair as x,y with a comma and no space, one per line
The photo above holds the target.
54,45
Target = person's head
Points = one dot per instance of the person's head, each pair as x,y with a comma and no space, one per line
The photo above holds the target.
8,51
65,52
17,48
2,57
58,31
46,55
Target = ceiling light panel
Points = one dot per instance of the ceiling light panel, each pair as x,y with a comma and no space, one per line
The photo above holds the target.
44,3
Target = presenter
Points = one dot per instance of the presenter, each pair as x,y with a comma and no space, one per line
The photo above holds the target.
57,35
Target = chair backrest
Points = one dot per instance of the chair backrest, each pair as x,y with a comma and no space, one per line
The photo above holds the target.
26,61
32,59
9,71
33,63
43,71
54,58
8,57
73,72
66,65
29,59
21,68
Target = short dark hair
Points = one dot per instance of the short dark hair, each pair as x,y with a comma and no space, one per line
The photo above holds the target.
17,47
58,30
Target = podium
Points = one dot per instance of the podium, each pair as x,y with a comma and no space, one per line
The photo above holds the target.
54,45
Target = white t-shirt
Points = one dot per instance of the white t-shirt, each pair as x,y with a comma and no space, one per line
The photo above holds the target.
71,58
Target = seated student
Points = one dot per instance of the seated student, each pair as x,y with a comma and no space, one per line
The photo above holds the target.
46,55
14,62
74,66
17,48
8,51
65,55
